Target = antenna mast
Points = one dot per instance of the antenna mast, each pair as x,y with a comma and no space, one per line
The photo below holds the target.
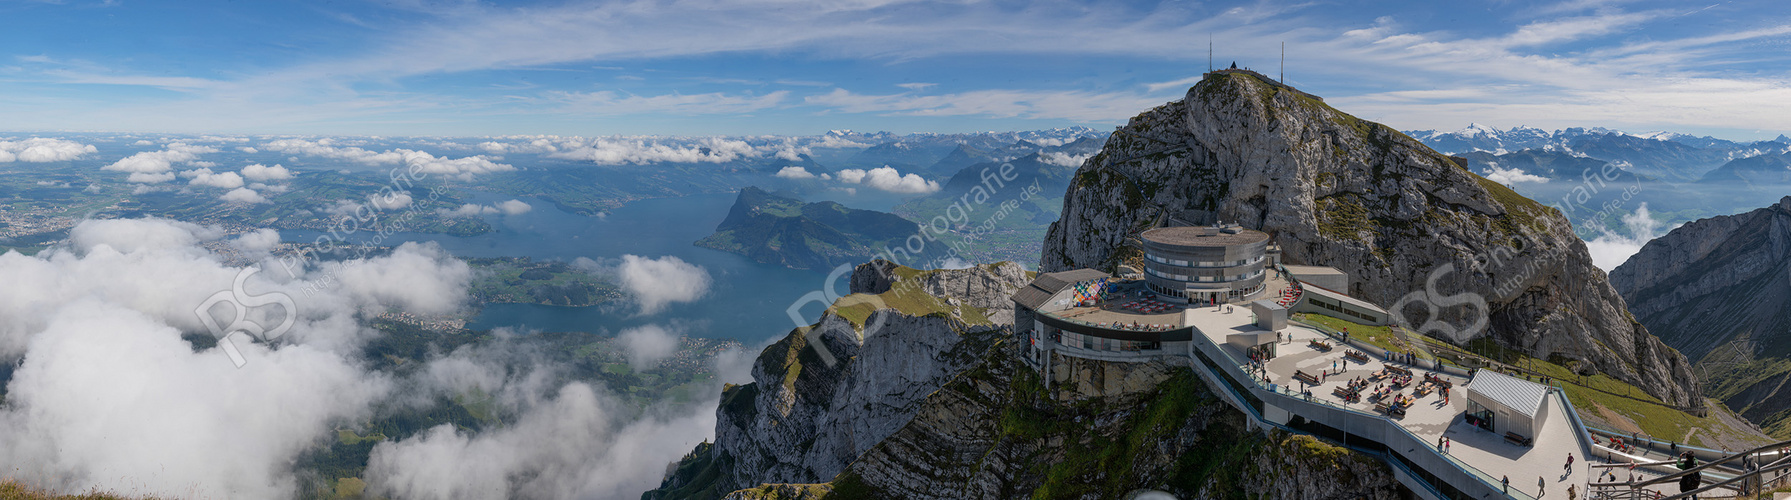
1209,52
1284,63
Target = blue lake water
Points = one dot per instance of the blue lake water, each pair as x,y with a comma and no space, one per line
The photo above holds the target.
747,300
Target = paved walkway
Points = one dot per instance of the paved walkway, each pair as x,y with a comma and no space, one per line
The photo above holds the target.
1428,418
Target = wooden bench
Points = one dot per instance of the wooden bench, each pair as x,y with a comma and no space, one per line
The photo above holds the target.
1398,370
1307,377
1322,346
1439,381
1356,355
1513,438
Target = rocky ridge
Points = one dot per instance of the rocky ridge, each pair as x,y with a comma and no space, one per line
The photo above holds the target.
1106,430
802,419
932,406
1719,290
1398,217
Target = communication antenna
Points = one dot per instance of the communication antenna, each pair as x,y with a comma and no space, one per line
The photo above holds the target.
1284,63
1209,52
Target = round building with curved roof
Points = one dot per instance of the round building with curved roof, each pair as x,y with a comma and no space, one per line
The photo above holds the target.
1205,264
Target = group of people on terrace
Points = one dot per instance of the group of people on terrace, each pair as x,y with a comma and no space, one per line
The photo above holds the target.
1135,327
1147,306
1385,387
1290,295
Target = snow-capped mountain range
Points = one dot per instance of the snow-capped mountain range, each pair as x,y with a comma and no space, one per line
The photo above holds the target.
1477,137
1667,156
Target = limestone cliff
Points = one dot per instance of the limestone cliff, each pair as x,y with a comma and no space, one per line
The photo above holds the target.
1719,290
1400,218
898,338
937,405
1105,430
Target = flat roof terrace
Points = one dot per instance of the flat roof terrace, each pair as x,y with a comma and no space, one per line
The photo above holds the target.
1428,418
1134,307
1202,236
1128,311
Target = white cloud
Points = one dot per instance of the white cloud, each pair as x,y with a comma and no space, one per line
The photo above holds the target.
258,242
204,177
573,444
243,195
155,162
657,283
186,423
1062,159
1513,176
888,179
247,149
514,207
142,142
648,345
795,172
1610,249
264,173
41,150
419,161
110,396
418,278
536,145
393,201
467,210
617,151
144,178
133,235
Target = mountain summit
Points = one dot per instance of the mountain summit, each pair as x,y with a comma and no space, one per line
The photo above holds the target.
1409,225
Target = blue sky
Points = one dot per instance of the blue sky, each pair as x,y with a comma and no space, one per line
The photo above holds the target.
800,67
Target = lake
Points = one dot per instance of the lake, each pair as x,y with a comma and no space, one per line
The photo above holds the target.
746,301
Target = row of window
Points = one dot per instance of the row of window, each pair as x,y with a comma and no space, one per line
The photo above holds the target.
1229,295
1183,263
1202,279
1345,310
1094,343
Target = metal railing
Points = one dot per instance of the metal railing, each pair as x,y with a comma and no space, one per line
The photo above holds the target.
1494,483
1749,480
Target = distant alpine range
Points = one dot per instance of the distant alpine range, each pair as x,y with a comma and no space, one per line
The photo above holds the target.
1665,156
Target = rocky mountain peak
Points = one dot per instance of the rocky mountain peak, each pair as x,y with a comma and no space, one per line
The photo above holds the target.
1396,215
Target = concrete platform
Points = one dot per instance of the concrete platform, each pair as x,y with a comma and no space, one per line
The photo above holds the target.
1428,418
